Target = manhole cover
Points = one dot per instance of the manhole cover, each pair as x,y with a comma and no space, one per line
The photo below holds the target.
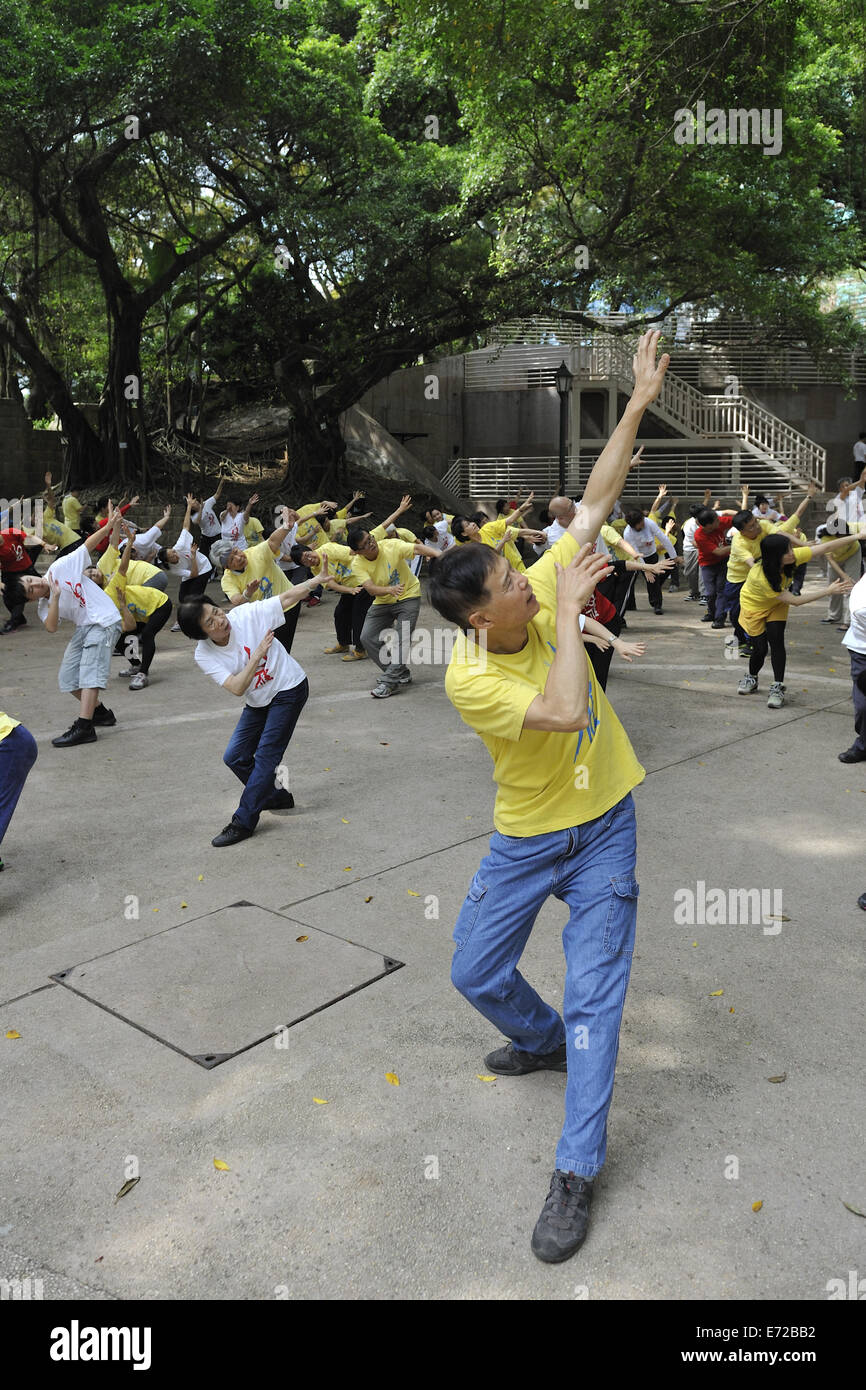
218,985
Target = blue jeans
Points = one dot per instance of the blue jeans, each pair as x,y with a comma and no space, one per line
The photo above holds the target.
17,756
257,746
713,588
591,869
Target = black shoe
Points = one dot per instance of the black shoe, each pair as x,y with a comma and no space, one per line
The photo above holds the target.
850,756
658,611
280,801
79,732
105,718
861,901
718,625
564,1221
231,835
508,1061
707,618
11,626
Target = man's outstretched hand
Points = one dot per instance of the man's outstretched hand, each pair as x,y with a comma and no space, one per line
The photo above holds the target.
576,582
648,374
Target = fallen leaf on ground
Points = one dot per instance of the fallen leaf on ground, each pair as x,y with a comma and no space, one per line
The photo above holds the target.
855,1210
484,1078
783,1076
127,1187
11,1033
302,938
716,993
756,1206
370,899
411,894
392,1078
183,904
343,819
348,869
201,878
300,863
382,745
98,1259
694,943
731,1009
223,1167
317,1100
778,917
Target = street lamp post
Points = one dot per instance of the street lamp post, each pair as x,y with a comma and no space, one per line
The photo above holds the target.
563,379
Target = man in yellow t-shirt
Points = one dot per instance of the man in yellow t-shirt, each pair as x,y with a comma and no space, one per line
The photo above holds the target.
381,568
17,756
564,815
253,575
72,509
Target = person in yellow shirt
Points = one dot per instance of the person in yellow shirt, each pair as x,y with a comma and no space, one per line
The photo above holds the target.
72,509
55,531
564,815
765,600
748,532
143,612
252,575
17,756
381,568
845,562
501,535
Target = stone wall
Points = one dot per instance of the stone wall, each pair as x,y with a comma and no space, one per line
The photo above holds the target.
25,453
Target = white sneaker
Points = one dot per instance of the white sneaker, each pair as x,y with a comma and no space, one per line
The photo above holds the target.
747,685
175,628
777,695
139,681
381,691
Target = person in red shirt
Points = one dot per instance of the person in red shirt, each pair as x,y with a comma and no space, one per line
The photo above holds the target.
102,508
713,555
18,555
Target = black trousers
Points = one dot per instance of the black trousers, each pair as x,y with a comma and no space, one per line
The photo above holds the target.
191,588
349,616
601,660
16,612
146,634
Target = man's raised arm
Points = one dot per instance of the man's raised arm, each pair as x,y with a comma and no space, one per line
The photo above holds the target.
608,477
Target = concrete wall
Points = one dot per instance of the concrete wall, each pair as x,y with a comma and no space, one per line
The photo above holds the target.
25,453
822,413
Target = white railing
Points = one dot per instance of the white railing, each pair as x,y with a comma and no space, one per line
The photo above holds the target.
687,472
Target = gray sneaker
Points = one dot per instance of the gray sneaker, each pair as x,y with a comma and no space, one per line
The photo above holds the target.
139,681
381,691
777,695
747,685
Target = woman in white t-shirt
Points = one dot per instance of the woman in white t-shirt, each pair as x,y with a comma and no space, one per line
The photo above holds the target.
233,521
207,519
237,650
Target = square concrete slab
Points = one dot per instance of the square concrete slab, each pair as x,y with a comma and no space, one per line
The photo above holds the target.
218,985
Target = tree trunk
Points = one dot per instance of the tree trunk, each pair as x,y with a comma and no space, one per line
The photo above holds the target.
316,450
82,451
120,405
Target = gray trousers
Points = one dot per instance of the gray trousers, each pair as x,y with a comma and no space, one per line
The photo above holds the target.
157,581
690,571
837,604
387,634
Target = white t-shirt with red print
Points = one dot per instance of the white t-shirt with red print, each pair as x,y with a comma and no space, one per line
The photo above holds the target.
81,601
232,529
250,622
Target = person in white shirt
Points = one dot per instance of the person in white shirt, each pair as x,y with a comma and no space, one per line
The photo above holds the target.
763,511
848,502
860,452
855,641
64,593
186,560
642,534
207,519
562,511
691,565
237,649
233,521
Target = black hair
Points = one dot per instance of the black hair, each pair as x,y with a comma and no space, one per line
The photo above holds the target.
13,591
297,553
189,616
741,519
634,517
430,533
773,547
161,557
544,517
355,535
501,505
480,518
457,524
761,498
356,508
100,505
458,581
706,516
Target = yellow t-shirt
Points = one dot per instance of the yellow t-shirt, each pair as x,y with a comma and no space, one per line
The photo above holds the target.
759,601
72,509
389,567
845,552
492,533
57,532
141,602
660,520
261,565
253,531
311,535
340,562
613,540
7,724
545,781
137,571
738,569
